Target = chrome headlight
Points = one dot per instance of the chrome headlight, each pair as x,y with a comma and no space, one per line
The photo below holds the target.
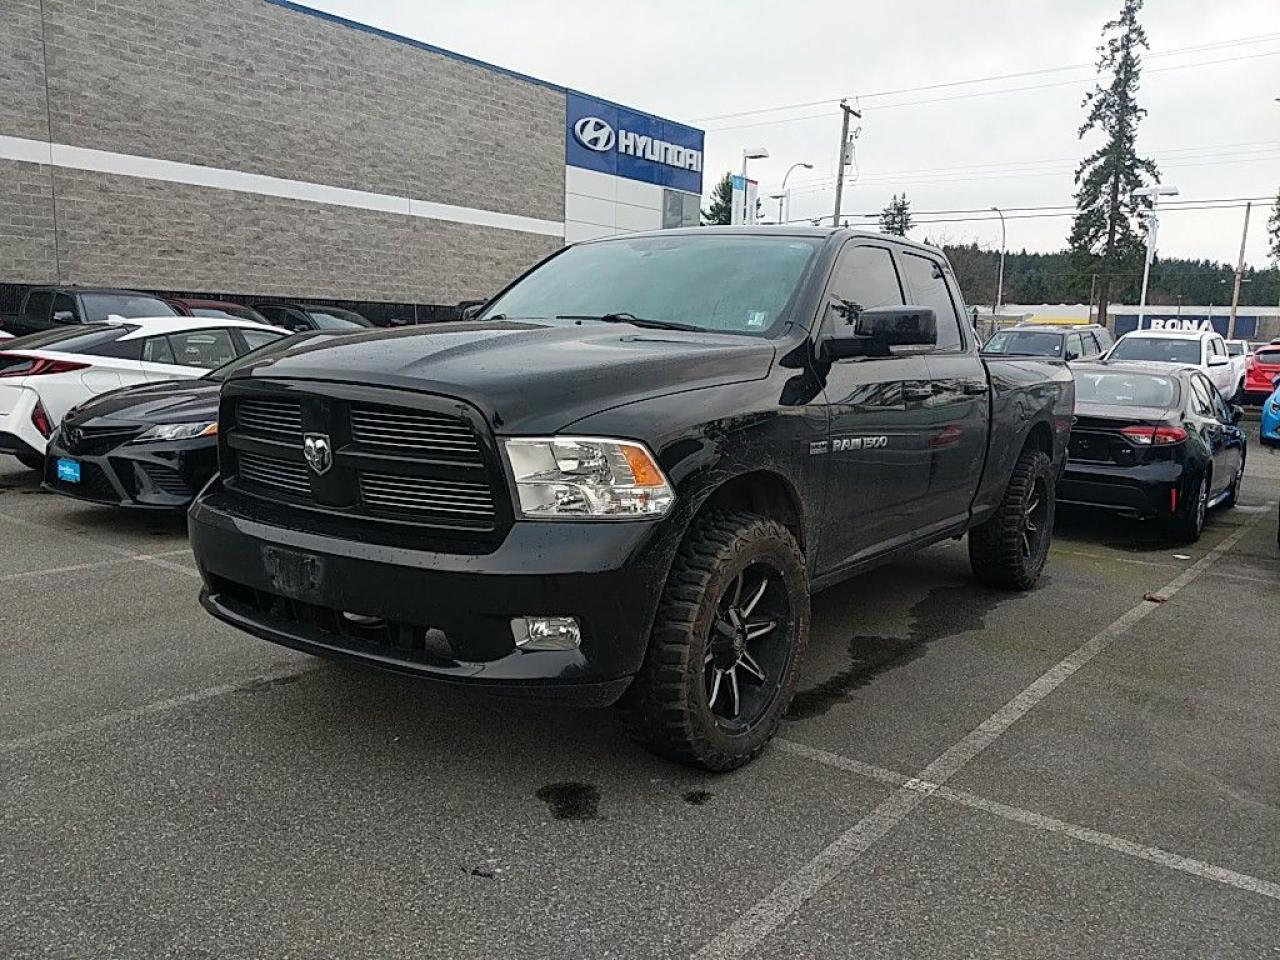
178,431
587,477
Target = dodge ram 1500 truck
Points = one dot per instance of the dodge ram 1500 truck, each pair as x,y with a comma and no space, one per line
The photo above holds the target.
622,481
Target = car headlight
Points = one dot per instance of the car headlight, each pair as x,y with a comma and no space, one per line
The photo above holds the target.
576,477
178,431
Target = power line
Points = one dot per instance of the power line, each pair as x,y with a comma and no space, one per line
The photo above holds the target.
993,219
1239,41
986,93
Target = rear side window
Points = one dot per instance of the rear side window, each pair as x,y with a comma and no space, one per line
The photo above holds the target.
1091,345
1202,392
92,340
202,348
929,288
1075,346
259,338
38,304
866,278
157,350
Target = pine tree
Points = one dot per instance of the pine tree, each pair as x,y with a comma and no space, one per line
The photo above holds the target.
1273,232
721,210
1103,234
896,217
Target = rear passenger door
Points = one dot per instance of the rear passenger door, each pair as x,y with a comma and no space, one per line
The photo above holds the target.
877,459
1212,430
957,411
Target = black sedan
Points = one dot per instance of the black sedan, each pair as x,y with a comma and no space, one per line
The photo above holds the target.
1153,441
150,446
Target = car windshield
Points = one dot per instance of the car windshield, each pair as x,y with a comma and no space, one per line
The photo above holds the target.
1126,389
1157,349
727,283
1235,349
333,318
1030,343
75,339
100,306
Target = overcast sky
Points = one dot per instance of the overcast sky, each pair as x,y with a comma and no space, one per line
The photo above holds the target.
1213,127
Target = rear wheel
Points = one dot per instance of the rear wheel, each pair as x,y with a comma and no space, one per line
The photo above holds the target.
1009,550
1188,528
30,460
731,629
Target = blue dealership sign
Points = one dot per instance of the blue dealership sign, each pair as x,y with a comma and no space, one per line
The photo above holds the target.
1246,327
610,139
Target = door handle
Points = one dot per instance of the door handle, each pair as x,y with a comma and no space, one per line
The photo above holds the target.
975,388
917,391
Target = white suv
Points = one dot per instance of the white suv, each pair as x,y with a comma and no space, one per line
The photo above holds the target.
1184,348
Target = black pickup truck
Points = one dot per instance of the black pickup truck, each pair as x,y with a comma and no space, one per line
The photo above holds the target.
48,308
623,480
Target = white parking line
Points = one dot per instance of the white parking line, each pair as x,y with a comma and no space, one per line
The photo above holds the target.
151,558
1164,858
742,936
147,709
76,567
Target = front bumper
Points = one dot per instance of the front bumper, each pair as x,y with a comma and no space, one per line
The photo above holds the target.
1148,490
18,431
162,476
441,615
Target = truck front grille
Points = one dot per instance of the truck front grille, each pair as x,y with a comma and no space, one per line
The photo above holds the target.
414,459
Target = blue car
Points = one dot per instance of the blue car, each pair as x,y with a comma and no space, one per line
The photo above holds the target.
1270,430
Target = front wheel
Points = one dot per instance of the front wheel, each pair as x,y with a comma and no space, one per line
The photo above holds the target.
1009,550
731,630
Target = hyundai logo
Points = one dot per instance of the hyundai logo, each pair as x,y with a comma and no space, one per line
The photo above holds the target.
319,455
594,134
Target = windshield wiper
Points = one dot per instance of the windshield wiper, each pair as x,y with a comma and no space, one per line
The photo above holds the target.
632,319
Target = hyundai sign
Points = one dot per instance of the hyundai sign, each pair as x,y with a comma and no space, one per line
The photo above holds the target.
609,139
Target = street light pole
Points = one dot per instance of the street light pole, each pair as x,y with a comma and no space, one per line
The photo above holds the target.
783,191
1153,226
1000,282
751,153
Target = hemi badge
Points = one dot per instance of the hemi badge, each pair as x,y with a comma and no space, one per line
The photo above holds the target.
817,447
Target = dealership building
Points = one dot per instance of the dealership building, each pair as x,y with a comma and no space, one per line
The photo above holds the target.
259,149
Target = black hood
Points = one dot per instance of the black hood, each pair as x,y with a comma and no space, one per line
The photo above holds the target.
175,401
529,377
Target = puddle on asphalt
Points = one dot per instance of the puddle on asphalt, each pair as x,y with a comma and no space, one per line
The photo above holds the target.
571,801
943,612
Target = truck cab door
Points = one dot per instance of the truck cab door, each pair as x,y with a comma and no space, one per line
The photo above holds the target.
958,412
875,456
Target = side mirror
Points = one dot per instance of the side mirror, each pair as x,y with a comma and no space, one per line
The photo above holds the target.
1217,361
63,316
470,309
871,333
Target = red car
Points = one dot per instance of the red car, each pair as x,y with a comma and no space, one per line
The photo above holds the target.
217,308
1260,372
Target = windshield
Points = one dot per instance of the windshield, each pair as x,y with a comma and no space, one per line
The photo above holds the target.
1157,349
1031,343
1126,389
229,313
333,318
725,283
1235,349
74,339
100,306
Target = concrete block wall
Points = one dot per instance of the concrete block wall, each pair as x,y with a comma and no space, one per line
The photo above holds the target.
254,86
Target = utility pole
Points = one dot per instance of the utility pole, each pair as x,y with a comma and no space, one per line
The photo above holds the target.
1235,290
1000,283
847,111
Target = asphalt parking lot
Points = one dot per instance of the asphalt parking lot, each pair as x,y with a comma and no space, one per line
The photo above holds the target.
1074,772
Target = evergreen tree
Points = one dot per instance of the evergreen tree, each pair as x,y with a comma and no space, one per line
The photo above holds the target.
896,217
1273,232
1103,238
721,210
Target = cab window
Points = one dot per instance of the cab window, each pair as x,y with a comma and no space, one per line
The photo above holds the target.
864,277
929,288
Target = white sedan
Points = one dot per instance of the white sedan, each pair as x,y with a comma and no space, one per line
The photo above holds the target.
44,375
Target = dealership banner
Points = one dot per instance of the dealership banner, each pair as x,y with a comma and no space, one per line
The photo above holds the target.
1246,327
610,139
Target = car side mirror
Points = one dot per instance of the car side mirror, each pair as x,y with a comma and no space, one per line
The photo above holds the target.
63,316
1217,361
873,332
1237,413
470,309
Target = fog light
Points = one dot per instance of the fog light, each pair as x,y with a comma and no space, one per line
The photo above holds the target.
546,633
